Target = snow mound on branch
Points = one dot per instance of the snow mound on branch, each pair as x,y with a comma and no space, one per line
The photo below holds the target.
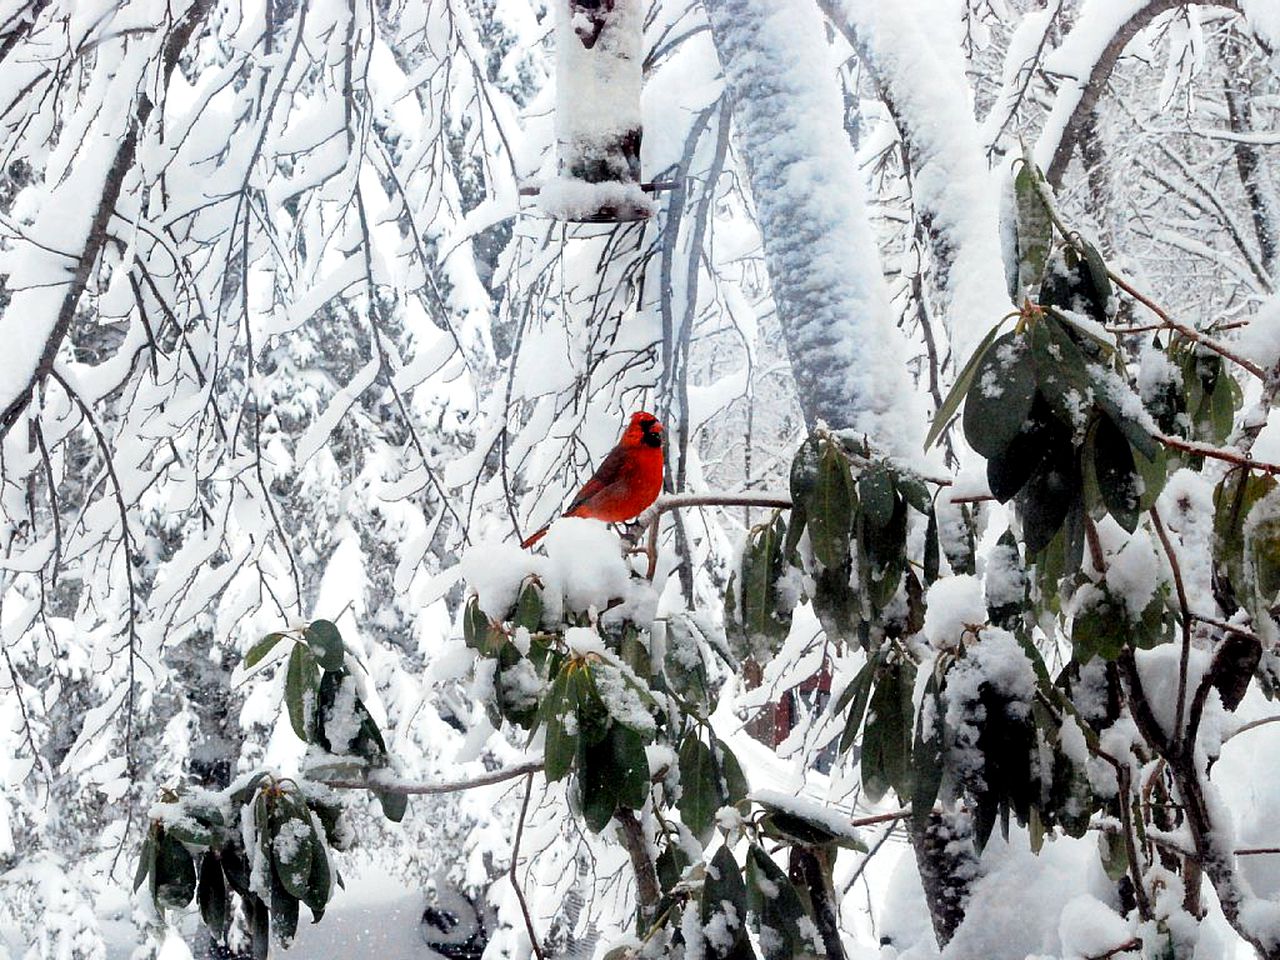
584,569
1089,928
953,604
495,572
584,560
1013,907
1260,340
567,199
1134,573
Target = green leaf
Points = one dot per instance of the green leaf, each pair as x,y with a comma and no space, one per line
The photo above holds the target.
259,927
765,618
593,715
1000,400
301,686
326,644
683,664
597,786
1098,278
670,865
877,496
1008,472
475,625
886,741
394,805
735,781
1046,499
1233,498
320,882
856,696
960,388
1222,408
146,858
529,607
926,755
291,844
1133,431
1153,473
829,508
235,867
932,557
1101,629
723,885
212,895
699,787
914,491
175,873
630,765
1117,476
792,826
557,706
258,652
1034,229
284,913
774,906
1062,374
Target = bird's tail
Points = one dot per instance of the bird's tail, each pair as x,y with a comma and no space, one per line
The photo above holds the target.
534,538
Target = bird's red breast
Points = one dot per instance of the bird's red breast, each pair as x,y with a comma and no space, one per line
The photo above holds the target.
627,482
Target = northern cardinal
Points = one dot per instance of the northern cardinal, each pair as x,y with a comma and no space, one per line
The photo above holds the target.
628,481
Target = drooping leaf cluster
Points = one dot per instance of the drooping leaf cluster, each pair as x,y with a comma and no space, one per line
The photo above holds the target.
262,847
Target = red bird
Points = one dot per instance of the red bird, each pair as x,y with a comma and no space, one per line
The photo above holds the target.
628,481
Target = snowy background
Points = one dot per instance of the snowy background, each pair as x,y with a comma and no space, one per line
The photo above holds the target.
284,340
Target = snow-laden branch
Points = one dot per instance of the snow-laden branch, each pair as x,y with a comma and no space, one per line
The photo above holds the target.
847,356
920,72
384,781
1084,62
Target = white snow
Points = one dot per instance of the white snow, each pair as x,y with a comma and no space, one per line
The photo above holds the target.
1089,928
954,605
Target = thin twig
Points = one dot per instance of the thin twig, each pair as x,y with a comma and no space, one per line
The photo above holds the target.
515,859
1191,333
407,788
1217,453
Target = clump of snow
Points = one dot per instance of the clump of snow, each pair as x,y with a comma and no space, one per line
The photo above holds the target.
729,819
1134,573
521,685
584,570
622,699
1003,579
341,724
662,760
598,86
568,199
1159,670
1089,928
1260,339
495,572
720,929
953,605
996,661
1155,372
584,640
585,563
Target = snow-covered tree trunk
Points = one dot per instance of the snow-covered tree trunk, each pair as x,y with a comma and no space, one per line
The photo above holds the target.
846,354
599,56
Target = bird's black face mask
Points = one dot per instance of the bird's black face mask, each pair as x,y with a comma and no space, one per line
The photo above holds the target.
651,438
